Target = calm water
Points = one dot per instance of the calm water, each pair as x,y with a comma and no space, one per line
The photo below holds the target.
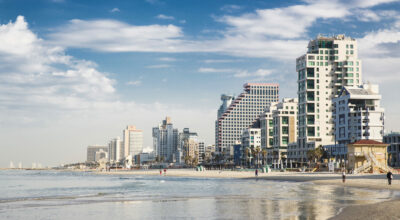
79,195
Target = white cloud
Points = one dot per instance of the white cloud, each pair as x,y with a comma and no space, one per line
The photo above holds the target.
260,73
114,10
116,36
214,70
220,61
230,8
278,33
167,59
158,66
34,74
165,17
134,83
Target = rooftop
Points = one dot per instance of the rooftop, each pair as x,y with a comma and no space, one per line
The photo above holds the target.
371,142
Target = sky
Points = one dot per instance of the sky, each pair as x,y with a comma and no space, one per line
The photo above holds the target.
75,73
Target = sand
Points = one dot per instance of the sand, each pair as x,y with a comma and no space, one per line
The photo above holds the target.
383,210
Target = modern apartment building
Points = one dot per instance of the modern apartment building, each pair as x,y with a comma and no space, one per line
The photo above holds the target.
329,64
91,152
116,150
393,149
358,114
251,139
133,141
165,141
242,113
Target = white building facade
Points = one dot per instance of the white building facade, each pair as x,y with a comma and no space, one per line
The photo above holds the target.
116,149
358,114
133,141
329,64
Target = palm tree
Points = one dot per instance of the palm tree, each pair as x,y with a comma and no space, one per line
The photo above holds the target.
246,154
264,154
257,153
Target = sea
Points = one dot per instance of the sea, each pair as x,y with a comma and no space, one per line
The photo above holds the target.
30,194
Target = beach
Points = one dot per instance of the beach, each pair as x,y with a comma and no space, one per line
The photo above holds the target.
380,210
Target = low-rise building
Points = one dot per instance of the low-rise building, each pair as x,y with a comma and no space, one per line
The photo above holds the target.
367,156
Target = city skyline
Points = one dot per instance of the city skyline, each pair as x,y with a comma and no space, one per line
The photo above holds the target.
74,74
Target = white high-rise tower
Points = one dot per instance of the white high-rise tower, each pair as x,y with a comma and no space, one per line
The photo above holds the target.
329,64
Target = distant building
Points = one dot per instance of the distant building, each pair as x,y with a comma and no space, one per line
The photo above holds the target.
358,114
101,154
165,140
133,141
188,143
393,139
144,158
242,113
202,151
91,152
251,139
279,128
116,150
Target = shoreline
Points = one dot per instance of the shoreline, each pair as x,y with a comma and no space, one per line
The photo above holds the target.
379,210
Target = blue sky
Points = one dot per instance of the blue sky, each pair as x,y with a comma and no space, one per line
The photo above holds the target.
74,73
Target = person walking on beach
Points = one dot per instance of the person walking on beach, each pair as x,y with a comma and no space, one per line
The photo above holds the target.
160,172
344,176
256,172
389,176
165,171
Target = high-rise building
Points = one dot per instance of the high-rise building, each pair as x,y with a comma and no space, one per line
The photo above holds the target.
116,149
133,141
358,114
165,140
279,128
329,64
242,113
91,152
226,102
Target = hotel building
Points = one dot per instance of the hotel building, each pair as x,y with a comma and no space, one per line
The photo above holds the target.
242,113
115,150
91,152
329,64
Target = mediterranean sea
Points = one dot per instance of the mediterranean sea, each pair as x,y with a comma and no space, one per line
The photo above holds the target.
29,194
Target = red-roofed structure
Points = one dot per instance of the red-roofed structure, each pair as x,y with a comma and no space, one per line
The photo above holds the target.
366,142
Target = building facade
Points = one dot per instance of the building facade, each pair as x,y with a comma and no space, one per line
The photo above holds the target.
242,113
329,64
116,150
393,139
165,140
358,114
133,141
91,152
284,127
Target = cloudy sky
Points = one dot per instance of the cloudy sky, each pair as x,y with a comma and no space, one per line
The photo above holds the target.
75,73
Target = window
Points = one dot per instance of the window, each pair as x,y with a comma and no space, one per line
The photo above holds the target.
285,130
285,120
285,140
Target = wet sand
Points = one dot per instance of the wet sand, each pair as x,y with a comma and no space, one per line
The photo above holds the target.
383,210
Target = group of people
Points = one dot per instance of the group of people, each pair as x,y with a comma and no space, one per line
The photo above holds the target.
389,177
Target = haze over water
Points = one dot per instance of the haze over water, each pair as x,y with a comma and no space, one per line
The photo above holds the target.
81,195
